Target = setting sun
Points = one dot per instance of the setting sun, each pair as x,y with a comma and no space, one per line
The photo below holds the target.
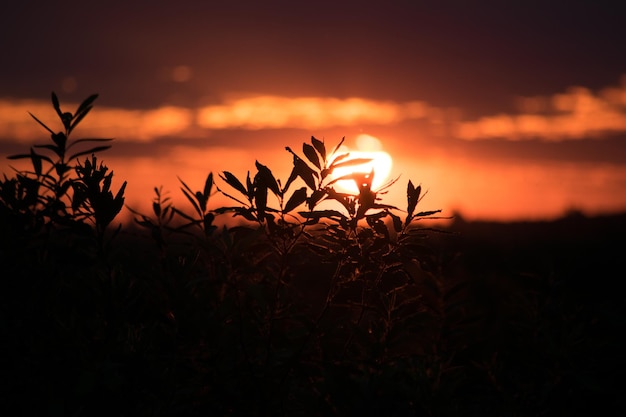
368,147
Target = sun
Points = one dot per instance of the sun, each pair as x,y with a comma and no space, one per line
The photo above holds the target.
368,147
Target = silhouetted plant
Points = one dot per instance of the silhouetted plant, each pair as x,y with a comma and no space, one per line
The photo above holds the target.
41,196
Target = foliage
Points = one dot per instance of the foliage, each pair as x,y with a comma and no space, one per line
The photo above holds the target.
302,308
59,191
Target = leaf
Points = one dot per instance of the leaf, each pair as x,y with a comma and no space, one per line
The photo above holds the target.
208,185
88,140
267,177
342,198
260,196
234,182
351,162
355,176
397,222
298,197
427,213
339,145
156,207
56,105
315,198
319,146
330,214
86,104
78,118
231,197
412,196
20,156
41,123
194,203
292,176
36,160
88,151
184,185
53,148
311,154
303,170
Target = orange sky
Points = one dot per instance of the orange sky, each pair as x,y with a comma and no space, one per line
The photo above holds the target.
502,111
427,145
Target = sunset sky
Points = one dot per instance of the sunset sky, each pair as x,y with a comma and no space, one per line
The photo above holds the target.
502,110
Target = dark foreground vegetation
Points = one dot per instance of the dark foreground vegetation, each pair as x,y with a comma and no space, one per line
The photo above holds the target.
366,309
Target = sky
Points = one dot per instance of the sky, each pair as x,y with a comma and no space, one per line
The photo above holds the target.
501,110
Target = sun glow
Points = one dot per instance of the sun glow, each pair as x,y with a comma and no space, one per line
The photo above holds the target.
368,147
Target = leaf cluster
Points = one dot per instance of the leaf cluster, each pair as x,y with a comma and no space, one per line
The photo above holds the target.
57,190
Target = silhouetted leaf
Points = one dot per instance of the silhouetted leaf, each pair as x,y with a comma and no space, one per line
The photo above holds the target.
53,148
208,185
427,213
315,197
345,199
231,197
245,212
412,196
19,156
208,223
41,123
250,186
397,222
260,195
328,171
36,161
185,185
119,197
351,162
354,176
311,154
193,202
88,151
88,140
303,170
339,145
292,177
56,105
319,214
319,146
234,182
298,197
267,177
86,104
156,207
78,118
306,173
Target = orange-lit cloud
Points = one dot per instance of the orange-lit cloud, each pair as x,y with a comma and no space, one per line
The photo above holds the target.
15,123
258,112
575,114
263,112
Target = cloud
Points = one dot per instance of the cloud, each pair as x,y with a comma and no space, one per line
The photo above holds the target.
262,112
143,125
575,114
250,113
